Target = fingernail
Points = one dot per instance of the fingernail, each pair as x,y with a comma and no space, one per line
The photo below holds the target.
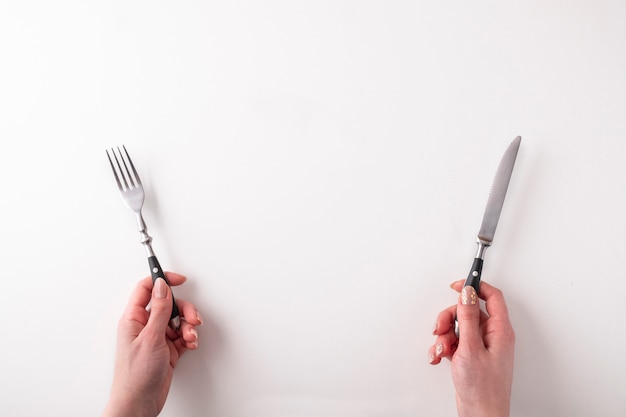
435,327
160,288
199,317
194,333
439,349
468,295
431,357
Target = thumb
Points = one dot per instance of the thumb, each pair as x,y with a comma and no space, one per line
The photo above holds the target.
161,307
468,316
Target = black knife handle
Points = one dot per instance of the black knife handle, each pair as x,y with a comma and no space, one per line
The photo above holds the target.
473,279
157,272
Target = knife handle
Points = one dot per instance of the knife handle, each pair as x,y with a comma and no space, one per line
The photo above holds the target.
473,279
157,272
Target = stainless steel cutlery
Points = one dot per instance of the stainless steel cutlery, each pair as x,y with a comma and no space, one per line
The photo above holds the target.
133,195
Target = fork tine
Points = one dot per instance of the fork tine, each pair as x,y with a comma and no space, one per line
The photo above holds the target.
130,161
121,170
117,178
131,180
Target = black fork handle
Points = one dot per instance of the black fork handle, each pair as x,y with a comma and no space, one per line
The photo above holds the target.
157,272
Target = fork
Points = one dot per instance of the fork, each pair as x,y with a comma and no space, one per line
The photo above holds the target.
132,192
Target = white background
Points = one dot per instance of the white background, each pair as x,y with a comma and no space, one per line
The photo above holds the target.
318,170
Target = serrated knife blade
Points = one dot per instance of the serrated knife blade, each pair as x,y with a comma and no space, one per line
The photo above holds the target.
498,192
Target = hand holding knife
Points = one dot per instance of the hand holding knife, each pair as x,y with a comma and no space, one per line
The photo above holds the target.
492,215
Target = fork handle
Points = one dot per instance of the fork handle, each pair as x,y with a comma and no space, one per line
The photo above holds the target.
157,272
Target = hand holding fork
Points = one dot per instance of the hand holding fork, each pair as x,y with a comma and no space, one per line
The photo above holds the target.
130,186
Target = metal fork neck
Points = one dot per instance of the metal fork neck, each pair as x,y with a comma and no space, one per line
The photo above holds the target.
146,239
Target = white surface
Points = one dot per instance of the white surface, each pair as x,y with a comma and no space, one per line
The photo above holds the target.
319,171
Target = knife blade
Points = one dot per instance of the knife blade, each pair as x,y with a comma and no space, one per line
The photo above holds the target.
492,214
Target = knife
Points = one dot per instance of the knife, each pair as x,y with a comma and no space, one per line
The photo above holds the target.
492,215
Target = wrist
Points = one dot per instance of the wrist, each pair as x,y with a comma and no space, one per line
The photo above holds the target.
482,412
123,408
465,412
483,408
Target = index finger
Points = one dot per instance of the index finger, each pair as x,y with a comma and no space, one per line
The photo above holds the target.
142,294
494,299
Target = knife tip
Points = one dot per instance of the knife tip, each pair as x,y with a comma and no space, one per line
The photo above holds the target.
516,143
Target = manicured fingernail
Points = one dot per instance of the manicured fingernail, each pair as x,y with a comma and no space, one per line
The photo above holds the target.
439,349
435,327
199,317
468,295
194,333
160,288
431,357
